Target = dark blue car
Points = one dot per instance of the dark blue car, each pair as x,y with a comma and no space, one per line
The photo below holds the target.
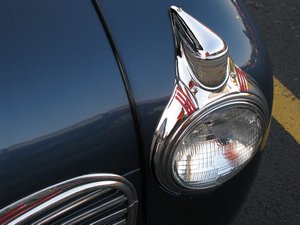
129,112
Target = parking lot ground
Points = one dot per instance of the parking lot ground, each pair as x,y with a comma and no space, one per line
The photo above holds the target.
286,110
274,198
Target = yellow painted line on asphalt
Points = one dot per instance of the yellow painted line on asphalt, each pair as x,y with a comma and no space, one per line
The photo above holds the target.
286,109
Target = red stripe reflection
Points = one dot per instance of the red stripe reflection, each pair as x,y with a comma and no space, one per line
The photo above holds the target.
185,100
242,79
14,213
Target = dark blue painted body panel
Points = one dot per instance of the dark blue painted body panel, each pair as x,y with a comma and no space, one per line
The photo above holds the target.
64,111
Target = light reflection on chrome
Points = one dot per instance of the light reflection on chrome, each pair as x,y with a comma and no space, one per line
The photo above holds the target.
205,52
44,206
206,76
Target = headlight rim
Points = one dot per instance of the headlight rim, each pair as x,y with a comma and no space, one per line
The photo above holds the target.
163,160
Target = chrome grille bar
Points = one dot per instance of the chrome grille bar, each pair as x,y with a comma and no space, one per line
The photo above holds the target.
64,209
92,199
108,205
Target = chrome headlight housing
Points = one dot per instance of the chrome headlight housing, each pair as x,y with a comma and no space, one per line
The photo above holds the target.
207,133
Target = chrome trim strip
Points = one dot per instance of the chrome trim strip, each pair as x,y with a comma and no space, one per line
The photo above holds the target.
121,222
96,210
70,206
110,217
94,183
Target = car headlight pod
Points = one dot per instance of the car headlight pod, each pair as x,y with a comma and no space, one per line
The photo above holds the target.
207,133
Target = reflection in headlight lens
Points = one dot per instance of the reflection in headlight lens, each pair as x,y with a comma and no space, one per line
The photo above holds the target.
218,147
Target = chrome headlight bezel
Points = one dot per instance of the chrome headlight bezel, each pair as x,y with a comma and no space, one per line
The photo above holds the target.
163,157
192,100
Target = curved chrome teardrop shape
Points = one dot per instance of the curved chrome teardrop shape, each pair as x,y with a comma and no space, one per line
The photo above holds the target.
206,78
205,52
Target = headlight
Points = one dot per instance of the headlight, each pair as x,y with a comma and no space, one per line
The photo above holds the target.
211,146
214,148
216,118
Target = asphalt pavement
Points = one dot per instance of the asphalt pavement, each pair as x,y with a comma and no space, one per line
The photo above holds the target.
275,196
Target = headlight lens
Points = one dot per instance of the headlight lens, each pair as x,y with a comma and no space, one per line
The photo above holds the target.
216,147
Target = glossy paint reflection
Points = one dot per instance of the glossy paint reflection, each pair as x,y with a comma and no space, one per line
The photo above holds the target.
64,110
51,67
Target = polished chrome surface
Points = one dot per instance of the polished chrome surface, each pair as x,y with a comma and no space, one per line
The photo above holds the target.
191,98
205,52
56,200
70,206
84,216
115,215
